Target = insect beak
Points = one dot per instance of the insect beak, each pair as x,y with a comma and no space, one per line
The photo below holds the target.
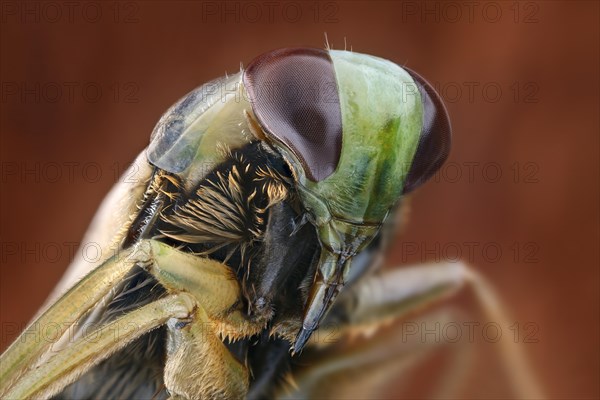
340,240
329,280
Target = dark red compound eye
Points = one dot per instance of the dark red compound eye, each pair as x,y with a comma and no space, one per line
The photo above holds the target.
295,99
434,143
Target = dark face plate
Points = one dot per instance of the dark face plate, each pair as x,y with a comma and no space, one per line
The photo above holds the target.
434,143
295,99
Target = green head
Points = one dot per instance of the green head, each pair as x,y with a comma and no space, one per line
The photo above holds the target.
357,132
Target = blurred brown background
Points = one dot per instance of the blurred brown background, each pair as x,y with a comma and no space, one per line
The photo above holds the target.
83,84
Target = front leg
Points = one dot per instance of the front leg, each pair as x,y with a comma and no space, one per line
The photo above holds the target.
65,366
198,364
26,350
203,308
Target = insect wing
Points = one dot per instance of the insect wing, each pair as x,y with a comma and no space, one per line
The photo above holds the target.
109,225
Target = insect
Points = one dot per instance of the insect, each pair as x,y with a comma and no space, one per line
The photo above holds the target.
251,226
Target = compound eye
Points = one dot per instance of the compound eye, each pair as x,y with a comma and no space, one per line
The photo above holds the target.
295,98
434,143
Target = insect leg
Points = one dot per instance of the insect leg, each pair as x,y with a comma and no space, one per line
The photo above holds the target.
195,350
392,294
213,284
513,358
338,371
198,363
68,364
64,312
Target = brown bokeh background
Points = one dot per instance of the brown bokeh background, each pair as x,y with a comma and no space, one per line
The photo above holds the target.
540,131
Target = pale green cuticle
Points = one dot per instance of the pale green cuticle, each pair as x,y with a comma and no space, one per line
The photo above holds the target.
381,130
